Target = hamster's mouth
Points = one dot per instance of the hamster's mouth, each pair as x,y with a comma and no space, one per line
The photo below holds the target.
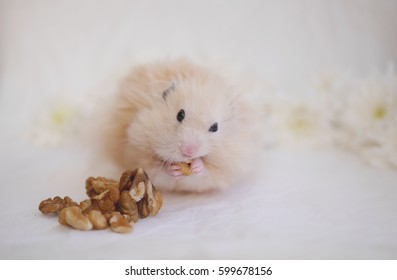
188,161
166,161
181,168
185,167
184,161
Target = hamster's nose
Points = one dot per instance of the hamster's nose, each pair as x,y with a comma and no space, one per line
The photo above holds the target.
188,150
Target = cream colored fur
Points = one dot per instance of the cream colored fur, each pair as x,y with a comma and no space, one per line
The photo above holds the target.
142,129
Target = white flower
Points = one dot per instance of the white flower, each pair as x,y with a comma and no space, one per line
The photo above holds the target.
299,123
364,117
55,125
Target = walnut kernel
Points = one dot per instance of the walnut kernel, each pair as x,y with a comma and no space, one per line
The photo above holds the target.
56,204
110,203
85,204
151,202
126,179
73,216
128,206
185,168
97,219
119,224
96,186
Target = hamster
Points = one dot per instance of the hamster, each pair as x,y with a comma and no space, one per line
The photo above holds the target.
179,111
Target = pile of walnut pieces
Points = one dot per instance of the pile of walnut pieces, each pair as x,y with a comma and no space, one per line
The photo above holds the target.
110,203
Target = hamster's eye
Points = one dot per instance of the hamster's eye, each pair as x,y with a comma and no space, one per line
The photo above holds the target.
213,127
181,115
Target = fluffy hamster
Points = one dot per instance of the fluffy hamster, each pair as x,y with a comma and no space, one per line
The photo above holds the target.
179,111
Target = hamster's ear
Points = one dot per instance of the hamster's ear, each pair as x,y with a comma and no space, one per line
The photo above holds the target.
169,90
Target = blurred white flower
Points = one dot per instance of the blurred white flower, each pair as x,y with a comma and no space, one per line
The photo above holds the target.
363,114
55,125
299,123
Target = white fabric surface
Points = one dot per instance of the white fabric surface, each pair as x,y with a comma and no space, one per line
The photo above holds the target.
305,204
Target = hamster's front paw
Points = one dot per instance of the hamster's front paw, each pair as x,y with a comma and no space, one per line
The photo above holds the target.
197,166
180,169
174,170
